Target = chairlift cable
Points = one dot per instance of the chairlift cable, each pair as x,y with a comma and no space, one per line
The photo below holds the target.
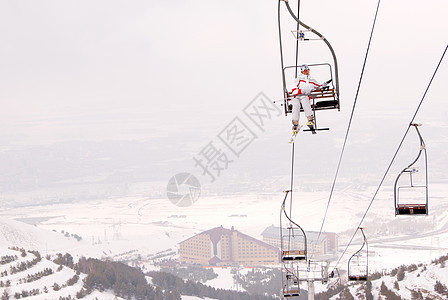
281,52
297,40
292,177
350,121
394,156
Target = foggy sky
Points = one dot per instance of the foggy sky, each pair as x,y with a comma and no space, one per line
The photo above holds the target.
167,77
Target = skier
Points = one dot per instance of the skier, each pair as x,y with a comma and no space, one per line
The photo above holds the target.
304,85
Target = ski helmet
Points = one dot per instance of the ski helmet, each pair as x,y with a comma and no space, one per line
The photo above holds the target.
304,67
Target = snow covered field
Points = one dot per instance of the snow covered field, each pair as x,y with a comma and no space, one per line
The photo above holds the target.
130,227
115,226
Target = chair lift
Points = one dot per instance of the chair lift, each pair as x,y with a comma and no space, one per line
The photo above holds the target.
293,244
420,207
324,99
290,281
321,99
317,270
358,266
293,241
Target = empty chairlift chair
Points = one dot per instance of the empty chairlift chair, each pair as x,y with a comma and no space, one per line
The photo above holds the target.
358,266
293,244
411,193
293,237
290,278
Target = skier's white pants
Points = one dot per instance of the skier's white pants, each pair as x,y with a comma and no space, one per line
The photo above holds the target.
305,100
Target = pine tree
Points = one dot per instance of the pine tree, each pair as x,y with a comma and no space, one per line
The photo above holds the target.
388,293
5,295
400,274
441,288
383,288
56,287
417,295
368,290
346,295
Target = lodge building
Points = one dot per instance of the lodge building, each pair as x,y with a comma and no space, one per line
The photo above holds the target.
221,246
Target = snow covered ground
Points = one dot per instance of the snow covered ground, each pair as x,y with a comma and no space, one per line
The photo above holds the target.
115,227
195,298
18,281
112,226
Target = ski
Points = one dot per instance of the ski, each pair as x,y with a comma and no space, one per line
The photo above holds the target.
294,134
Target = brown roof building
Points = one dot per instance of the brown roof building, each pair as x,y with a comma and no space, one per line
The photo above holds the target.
221,246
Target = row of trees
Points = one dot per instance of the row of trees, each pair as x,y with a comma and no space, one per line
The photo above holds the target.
125,281
22,266
60,259
167,281
21,250
399,272
7,259
128,282
73,235
267,282
5,284
25,294
34,292
10,258
64,260
441,260
36,276
194,273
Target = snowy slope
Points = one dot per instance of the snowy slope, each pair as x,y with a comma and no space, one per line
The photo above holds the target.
120,225
18,282
19,234
137,228
225,279
195,298
422,279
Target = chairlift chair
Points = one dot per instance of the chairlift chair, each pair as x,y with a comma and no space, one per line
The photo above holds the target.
406,206
325,99
293,238
293,245
358,265
291,281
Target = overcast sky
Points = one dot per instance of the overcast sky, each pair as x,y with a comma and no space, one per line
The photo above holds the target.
140,70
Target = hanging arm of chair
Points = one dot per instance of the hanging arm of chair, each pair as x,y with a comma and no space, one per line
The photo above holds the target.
326,42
